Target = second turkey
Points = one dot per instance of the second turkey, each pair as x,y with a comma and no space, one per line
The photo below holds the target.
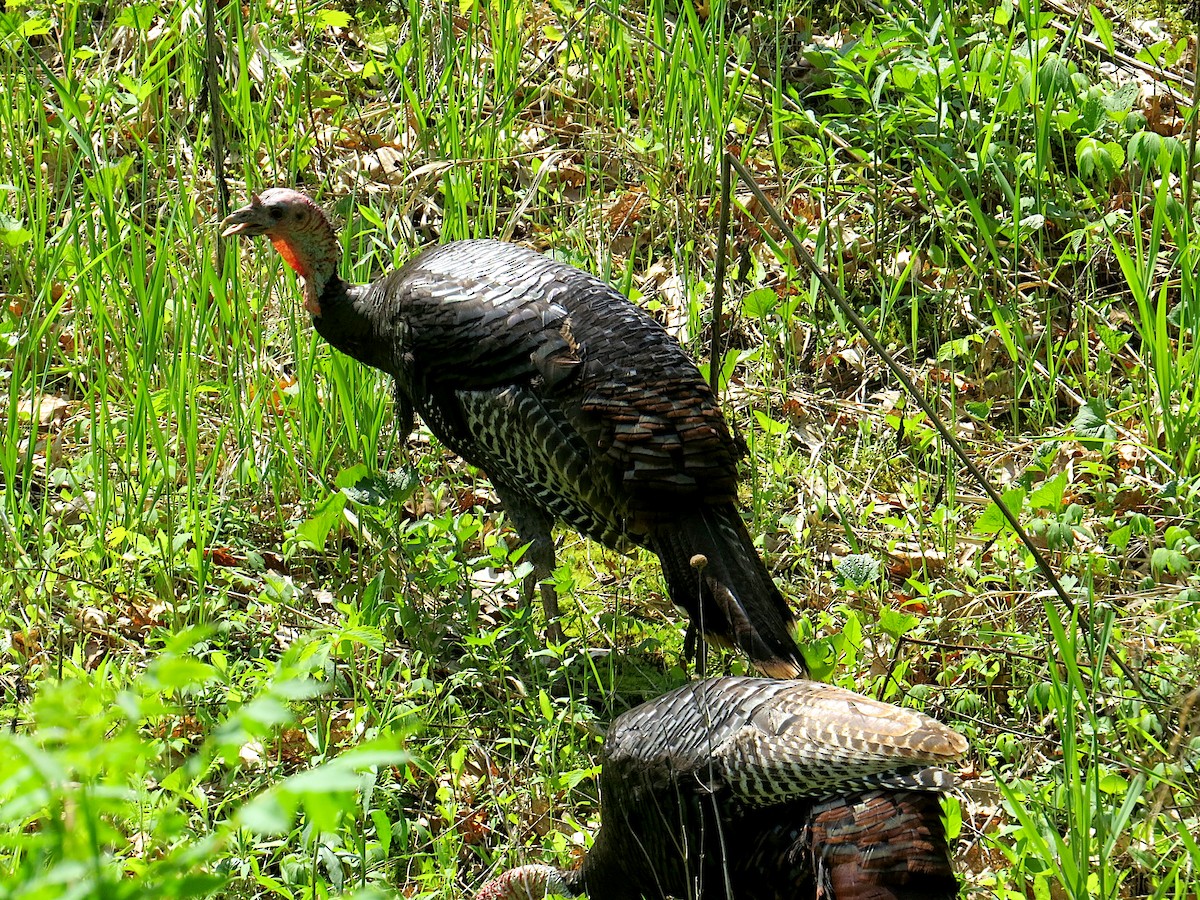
577,404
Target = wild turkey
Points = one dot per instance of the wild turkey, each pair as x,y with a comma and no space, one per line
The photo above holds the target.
754,789
573,400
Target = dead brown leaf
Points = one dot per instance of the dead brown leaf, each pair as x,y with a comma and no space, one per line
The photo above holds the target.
341,732
386,165
92,618
1162,115
473,825
1130,456
905,559
43,409
223,556
274,561
251,755
566,175
187,728
540,814
627,209
27,643
140,618
94,651
293,746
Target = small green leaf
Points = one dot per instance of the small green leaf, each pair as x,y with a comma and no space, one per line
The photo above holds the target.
821,656
1178,538
378,490
13,232
1104,30
1172,155
332,18
1054,76
952,817
852,629
904,75
181,672
858,570
109,181
1112,783
314,532
25,26
1059,535
1091,425
1049,493
259,714
1141,524
1152,55
139,16
383,829
371,216
1091,112
268,814
1144,148
1176,52
769,425
1119,102
1119,539
759,303
1096,160
897,623
958,347
992,521
979,409
1164,559
283,58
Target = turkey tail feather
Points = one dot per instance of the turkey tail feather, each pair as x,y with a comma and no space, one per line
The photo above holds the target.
729,594
882,845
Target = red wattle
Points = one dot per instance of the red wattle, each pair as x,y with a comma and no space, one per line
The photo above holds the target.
290,256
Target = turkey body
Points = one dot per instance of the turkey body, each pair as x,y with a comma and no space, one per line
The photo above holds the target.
763,790
570,397
575,402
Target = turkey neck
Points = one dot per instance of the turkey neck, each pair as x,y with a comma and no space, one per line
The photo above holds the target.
347,323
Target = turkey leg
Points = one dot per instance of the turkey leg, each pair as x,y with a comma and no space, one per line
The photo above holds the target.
536,529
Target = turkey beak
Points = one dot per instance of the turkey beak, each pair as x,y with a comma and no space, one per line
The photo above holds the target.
249,220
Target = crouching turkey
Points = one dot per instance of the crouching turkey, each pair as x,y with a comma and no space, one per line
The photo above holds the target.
575,402
754,789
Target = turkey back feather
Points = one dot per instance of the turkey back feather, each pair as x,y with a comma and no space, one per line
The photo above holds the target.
476,315
880,845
